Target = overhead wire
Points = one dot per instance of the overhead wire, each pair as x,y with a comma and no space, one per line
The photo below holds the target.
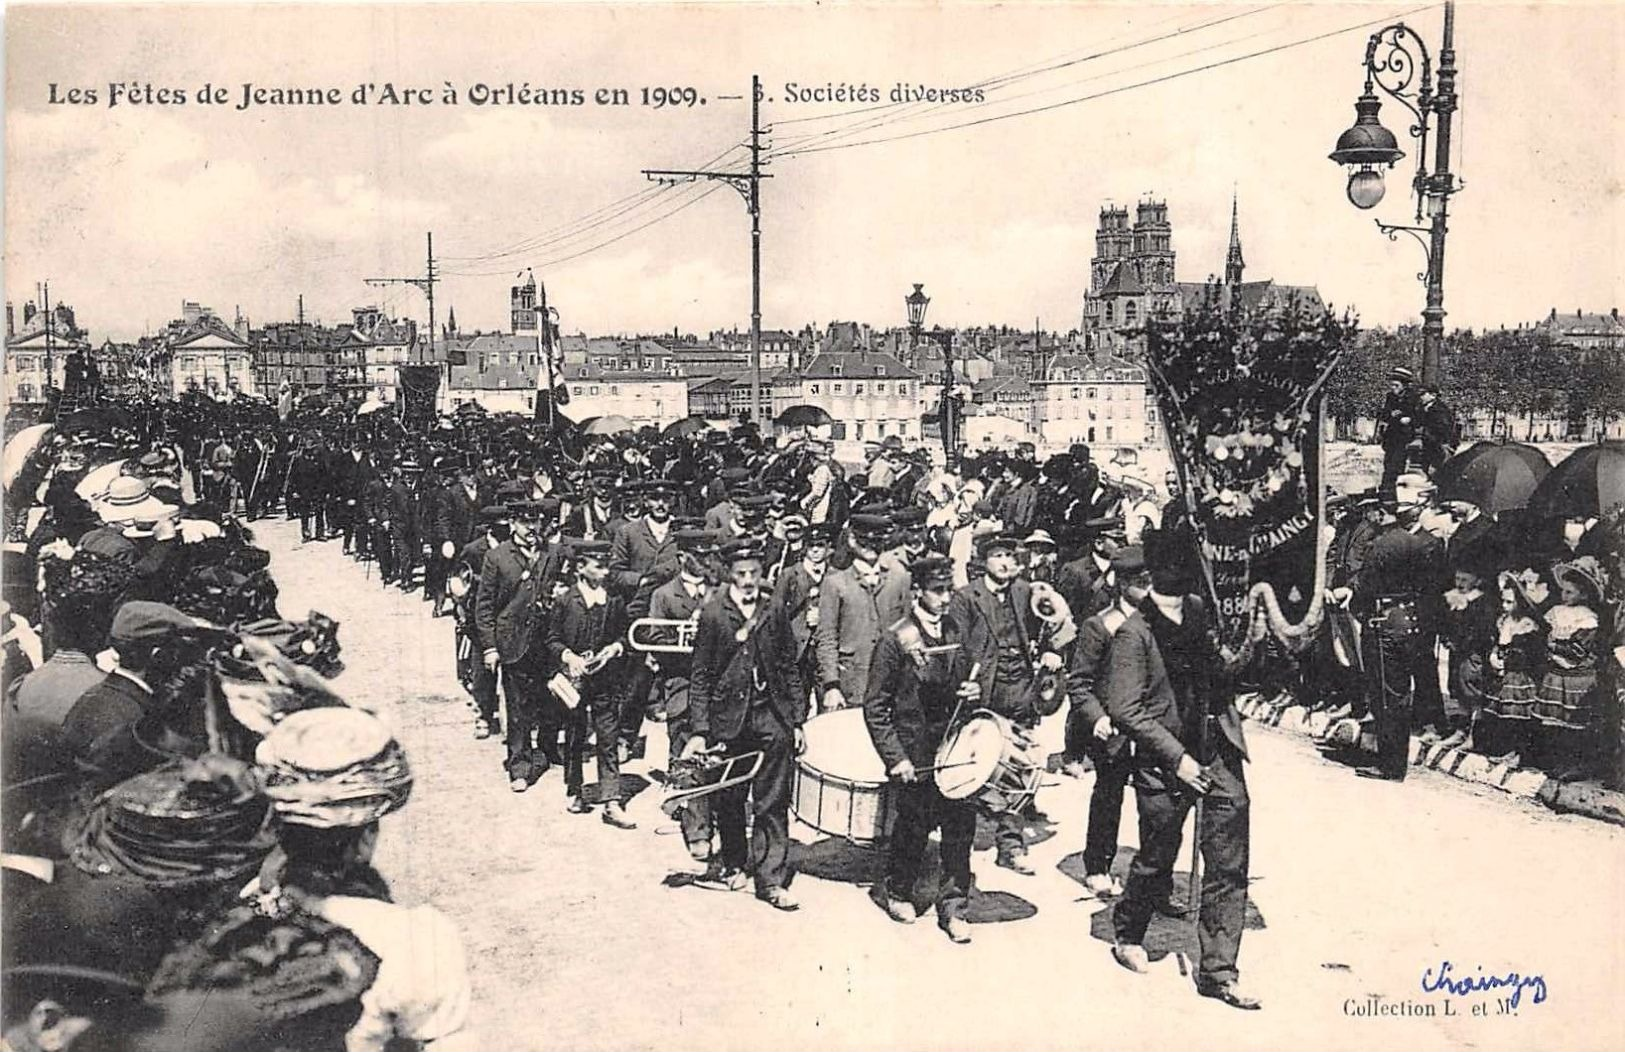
1149,82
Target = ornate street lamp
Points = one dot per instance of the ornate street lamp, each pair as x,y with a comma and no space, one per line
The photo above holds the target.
1398,62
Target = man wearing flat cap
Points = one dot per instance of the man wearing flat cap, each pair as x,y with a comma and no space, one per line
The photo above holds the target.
599,516
1002,635
745,694
680,600
643,556
854,605
919,681
479,678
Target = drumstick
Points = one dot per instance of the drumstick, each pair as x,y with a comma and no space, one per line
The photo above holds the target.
946,766
975,669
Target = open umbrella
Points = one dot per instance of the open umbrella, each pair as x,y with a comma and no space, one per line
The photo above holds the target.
804,416
1590,482
19,449
369,407
613,424
689,425
1496,476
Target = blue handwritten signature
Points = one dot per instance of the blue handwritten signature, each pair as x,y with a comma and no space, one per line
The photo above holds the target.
1467,984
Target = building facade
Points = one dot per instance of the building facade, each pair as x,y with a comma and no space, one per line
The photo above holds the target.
37,351
1096,400
652,398
1586,332
871,396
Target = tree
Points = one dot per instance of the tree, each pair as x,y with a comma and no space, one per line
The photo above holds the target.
1357,387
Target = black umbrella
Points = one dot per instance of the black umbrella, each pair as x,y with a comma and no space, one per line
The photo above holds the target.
689,425
1589,483
1496,476
804,416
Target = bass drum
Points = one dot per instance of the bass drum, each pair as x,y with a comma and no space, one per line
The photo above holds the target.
840,783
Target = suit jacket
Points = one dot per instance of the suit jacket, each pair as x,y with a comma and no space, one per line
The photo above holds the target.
1141,699
1086,671
506,610
585,521
462,515
973,610
727,671
795,593
850,620
671,602
719,520
638,563
1019,509
1083,586
908,707
573,627
405,511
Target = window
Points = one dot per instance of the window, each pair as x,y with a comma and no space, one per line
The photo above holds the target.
1111,393
812,389
1108,434
860,431
1150,416
1074,392
838,388
880,370
857,388
1131,312
902,389
1108,312
594,391
835,370
882,429
614,389
880,389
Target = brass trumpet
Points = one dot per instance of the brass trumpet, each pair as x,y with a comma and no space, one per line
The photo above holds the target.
657,632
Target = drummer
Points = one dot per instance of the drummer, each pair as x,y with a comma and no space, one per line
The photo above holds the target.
912,700
1001,634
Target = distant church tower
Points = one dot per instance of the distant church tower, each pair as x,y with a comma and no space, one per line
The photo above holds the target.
1233,263
1113,244
522,301
1153,244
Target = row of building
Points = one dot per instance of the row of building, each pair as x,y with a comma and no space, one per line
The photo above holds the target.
875,383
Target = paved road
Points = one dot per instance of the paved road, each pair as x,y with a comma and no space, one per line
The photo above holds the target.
577,940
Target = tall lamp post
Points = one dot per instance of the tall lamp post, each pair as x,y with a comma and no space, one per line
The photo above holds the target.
916,302
1398,62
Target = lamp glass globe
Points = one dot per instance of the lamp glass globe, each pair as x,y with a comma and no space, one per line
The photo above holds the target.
1366,188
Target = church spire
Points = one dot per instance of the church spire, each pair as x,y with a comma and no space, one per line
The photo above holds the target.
1233,262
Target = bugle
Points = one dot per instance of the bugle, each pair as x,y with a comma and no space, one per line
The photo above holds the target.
663,635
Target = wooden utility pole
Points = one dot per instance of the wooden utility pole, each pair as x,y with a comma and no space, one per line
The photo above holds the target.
749,185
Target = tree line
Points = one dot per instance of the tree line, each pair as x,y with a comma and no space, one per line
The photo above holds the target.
1515,375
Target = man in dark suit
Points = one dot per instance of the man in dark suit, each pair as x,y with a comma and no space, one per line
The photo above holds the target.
480,680
643,556
797,595
406,522
1090,731
1001,634
745,694
599,516
855,605
307,490
375,499
1165,689
516,582
1018,507
680,599
585,638
457,522
912,700
1397,425
1081,580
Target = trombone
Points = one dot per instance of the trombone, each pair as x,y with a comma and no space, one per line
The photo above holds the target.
663,635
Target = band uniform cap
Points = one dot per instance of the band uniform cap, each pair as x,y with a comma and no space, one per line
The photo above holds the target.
869,525
990,542
911,518
932,571
593,549
795,520
1105,526
742,550
1128,561
821,533
657,488
140,621
494,513
695,541
530,510
756,503
1399,372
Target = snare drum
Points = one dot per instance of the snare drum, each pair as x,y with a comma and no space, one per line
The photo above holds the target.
840,785
992,759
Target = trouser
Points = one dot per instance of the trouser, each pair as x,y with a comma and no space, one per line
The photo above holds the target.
635,699
341,517
1009,827
313,517
1393,465
1401,678
435,568
533,721
406,546
598,714
769,796
920,809
384,549
695,817
1223,838
1112,770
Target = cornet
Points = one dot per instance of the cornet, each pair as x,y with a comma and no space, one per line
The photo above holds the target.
657,635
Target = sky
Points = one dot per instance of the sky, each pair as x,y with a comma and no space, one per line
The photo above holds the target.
129,209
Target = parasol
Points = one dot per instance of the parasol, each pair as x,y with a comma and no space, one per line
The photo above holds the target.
1496,476
804,416
612,424
369,407
1590,482
689,425
19,449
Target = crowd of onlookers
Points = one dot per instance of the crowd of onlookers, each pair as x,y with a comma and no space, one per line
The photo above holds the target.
190,809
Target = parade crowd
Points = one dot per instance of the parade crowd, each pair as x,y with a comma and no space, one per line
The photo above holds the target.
191,809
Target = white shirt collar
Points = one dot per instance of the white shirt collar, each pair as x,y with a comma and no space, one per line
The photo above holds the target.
592,595
737,597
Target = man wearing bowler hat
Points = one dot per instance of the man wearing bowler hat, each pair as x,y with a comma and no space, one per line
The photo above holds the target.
1396,427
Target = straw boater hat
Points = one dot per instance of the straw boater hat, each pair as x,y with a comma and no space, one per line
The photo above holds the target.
129,500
